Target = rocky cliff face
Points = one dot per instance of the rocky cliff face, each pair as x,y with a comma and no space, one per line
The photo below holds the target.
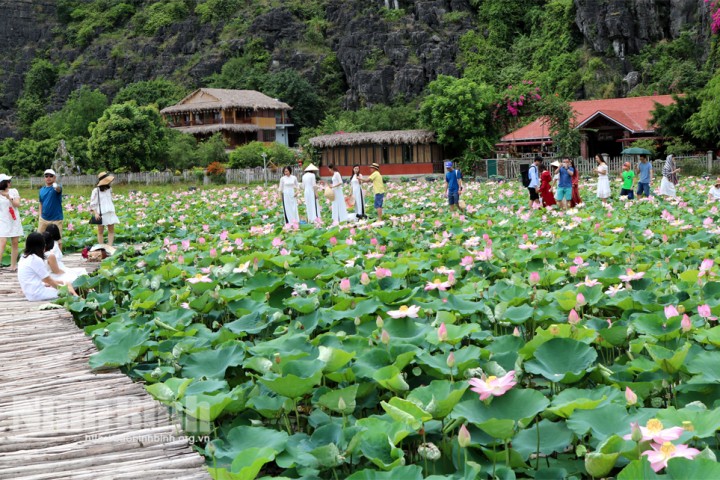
383,57
624,27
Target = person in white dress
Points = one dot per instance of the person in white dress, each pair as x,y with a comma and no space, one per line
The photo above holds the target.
714,193
339,209
33,274
309,184
10,222
58,270
603,185
355,183
102,206
288,186
669,177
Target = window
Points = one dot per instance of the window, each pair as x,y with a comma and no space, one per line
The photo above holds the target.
385,154
268,135
407,153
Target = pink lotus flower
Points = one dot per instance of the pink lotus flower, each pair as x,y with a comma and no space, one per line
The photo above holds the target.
450,360
385,337
201,240
333,241
199,278
654,431
382,272
345,285
631,275
573,318
467,262
580,262
705,312
405,311
573,270
373,241
671,311
492,386
242,268
185,244
437,284
660,454
277,241
614,290
464,438
580,300
528,246
534,278
588,282
364,278
70,227
686,324
213,253
442,332
224,235
630,396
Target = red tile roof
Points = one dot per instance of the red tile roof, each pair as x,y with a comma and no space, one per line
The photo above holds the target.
633,113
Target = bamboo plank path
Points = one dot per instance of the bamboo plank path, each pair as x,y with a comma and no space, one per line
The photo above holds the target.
60,420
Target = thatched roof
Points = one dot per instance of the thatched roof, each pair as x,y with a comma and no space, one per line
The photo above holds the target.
208,99
393,137
219,127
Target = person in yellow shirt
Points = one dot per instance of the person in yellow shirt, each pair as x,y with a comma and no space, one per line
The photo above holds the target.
378,188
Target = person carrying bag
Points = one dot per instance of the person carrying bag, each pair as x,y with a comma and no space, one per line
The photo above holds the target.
103,209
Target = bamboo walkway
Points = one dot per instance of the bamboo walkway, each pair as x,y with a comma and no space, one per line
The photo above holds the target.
60,420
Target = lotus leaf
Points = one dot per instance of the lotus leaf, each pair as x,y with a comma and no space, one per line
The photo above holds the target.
562,360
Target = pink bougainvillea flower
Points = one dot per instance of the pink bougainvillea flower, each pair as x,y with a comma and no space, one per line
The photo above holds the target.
631,275
442,332
345,285
654,431
381,272
405,311
199,278
661,453
671,311
705,312
492,386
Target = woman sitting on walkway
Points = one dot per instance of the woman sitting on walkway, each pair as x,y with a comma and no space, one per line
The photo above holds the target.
33,274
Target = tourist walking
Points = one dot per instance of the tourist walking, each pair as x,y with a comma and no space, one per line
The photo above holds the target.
670,178
378,189
575,199
288,187
51,210
356,185
564,191
628,177
545,190
534,176
453,180
309,184
10,222
603,185
339,209
103,208
33,274
645,174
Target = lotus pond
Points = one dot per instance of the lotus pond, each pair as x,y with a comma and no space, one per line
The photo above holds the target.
347,352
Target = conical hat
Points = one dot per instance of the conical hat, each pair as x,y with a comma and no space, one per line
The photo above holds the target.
311,168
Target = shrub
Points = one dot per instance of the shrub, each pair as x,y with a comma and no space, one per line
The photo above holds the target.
212,150
247,156
216,172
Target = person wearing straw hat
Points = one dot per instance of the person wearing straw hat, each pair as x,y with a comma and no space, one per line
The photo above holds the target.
51,210
310,187
103,208
10,223
378,188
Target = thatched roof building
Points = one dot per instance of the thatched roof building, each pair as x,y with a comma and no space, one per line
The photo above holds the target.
399,152
207,99
390,137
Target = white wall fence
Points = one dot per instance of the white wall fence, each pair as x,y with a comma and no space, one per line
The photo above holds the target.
245,175
510,167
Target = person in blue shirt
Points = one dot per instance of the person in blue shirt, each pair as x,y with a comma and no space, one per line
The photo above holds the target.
534,175
564,191
645,174
453,178
51,210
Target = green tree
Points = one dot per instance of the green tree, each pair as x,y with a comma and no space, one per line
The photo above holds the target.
672,120
83,107
289,87
248,156
705,123
458,110
29,110
128,137
26,156
159,92
211,150
40,79
245,72
182,150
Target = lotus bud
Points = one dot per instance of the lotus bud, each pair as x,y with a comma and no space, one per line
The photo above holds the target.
429,451
385,337
671,311
451,360
341,404
442,332
580,450
516,332
686,324
364,278
464,438
345,285
357,321
379,322
580,299
534,278
630,396
573,318
635,432
598,465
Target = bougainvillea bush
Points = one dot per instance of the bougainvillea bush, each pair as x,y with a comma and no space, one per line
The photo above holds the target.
497,342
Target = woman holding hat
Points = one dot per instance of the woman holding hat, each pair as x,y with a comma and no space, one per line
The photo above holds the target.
10,223
309,183
357,192
102,207
339,209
